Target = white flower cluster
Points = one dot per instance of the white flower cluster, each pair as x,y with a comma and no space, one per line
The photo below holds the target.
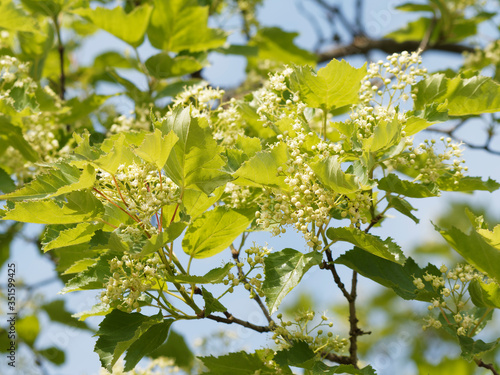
482,57
140,189
318,341
453,306
201,96
157,366
14,74
433,165
236,196
130,279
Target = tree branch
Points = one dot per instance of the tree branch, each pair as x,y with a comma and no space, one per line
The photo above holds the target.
230,319
488,366
362,45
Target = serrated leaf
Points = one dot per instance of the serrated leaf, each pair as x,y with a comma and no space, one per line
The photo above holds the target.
385,135
146,343
97,310
403,206
61,180
82,233
163,65
262,168
394,184
121,154
330,173
178,25
283,272
214,231
385,249
485,294
195,160
94,277
129,27
13,18
156,148
240,363
81,206
467,184
333,86
57,312
175,348
391,275
196,202
14,136
212,304
475,348
214,276
296,355
464,96
118,331
479,250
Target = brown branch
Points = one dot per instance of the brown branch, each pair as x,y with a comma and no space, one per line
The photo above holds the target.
362,45
340,359
230,319
488,366
331,266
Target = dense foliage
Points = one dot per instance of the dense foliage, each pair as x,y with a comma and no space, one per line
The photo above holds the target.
327,151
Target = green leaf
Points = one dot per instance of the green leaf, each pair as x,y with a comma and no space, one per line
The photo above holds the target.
147,343
467,184
129,27
14,136
214,276
178,25
94,277
14,19
392,183
403,206
156,148
214,231
384,249
175,348
164,66
81,109
414,30
330,173
475,348
212,304
97,310
119,330
480,248
27,329
81,206
57,313
195,160
121,154
61,180
391,275
262,168
464,96
50,8
385,135
240,363
272,43
82,233
333,86
53,354
196,202
297,355
7,185
485,295
283,272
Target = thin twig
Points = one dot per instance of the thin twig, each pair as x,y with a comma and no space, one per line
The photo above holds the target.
427,37
488,366
230,319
